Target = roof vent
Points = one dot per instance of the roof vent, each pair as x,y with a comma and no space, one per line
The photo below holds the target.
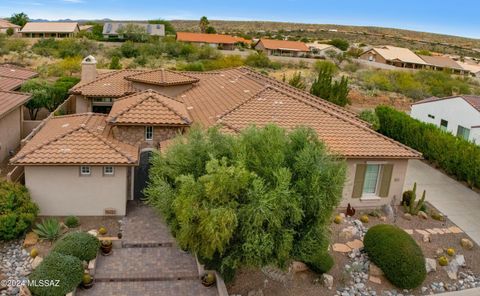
65,125
190,107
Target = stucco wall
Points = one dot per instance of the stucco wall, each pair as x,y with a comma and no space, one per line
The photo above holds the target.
10,132
60,190
456,111
171,91
135,135
82,104
376,57
396,183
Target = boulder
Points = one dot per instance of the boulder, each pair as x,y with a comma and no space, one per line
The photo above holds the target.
466,243
452,269
298,266
426,238
422,215
93,232
36,262
341,248
375,279
24,291
455,229
374,270
439,252
355,244
30,239
407,216
430,265
327,281
460,260
383,218
388,211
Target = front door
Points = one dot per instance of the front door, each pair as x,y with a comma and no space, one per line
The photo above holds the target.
140,180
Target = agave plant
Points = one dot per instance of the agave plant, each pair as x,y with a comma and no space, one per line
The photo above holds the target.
49,229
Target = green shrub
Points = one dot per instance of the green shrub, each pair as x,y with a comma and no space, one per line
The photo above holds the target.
65,270
370,117
115,63
458,157
397,254
17,211
49,229
82,245
259,60
72,221
339,43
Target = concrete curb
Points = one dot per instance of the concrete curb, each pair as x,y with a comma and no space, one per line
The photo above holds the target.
468,292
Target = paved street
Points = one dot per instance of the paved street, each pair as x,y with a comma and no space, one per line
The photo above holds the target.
452,198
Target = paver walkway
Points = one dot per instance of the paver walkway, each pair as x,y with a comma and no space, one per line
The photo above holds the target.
459,203
149,263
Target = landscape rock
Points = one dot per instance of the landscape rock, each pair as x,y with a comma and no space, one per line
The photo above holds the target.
388,211
30,239
439,252
466,243
375,279
93,232
24,291
258,292
426,238
355,244
455,229
341,248
383,218
407,216
430,265
422,215
452,269
460,259
327,281
298,266
36,262
374,270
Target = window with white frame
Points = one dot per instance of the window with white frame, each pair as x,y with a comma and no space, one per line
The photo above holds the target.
108,170
149,133
85,170
371,181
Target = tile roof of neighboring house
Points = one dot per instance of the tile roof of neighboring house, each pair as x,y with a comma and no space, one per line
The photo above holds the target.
472,100
209,38
284,45
391,53
342,136
441,61
150,29
469,67
162,77
112,84
149,107
320,46
74,140
10,100
85,27
8,70
8,83
7,24
49,27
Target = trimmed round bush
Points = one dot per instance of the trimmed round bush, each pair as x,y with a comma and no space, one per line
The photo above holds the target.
322,262
82,245
397,254
17,211
72,221
59,273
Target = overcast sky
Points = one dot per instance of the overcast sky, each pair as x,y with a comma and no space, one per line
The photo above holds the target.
460,17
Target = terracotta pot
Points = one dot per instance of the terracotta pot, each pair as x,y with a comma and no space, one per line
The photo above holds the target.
87,286
106,248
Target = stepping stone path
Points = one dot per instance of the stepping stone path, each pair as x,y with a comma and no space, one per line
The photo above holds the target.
148,263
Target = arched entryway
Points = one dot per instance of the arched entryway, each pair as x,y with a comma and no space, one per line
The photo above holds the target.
140,179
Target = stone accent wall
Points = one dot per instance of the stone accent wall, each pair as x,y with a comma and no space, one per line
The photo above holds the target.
135,135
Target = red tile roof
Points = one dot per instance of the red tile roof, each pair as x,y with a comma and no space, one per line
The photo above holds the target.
209,38
162,77
8,83
149,107
283,45
112,84
73,140
8,70
10,100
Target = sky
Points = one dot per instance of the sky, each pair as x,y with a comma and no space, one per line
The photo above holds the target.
460,17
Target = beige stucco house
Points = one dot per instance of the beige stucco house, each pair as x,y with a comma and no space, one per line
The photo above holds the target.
395,56
5,26
50,29
93,161
282,47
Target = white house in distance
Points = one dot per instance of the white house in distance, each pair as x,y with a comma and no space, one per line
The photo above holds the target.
321,50
459,115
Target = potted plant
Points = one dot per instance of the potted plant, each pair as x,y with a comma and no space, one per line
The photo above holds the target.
208,279
87,281
106,247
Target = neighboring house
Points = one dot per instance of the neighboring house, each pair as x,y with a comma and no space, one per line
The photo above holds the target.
395,56
321,50
282,47
85,28
11,121
5,25
459,115
114,30
91,163
219,41
12,77
473,69
441,63
50,29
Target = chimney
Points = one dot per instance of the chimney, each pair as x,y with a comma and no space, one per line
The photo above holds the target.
89,69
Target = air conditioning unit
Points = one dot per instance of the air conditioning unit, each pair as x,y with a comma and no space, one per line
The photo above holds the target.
110,212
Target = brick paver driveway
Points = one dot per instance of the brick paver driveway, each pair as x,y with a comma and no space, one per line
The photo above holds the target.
148,264
459,203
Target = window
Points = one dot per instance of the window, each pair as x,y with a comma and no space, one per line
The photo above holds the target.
108,170
431,116
443,124
149,133
372,174
85,170
463,132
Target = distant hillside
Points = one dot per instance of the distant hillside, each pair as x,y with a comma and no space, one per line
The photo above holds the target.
359,34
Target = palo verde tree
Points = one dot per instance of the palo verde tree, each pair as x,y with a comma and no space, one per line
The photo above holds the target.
335,91
262,197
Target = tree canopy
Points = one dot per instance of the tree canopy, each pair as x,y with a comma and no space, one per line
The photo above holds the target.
203,24
19,19
262,197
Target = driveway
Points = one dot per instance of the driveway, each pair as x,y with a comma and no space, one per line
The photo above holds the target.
459,203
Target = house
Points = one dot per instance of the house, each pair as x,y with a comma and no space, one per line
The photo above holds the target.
5,25
322,50
442,63
11,121
472,68
94,160
220,41
395,56
12,77
85,28
459,115
114,30
282,47
50,29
